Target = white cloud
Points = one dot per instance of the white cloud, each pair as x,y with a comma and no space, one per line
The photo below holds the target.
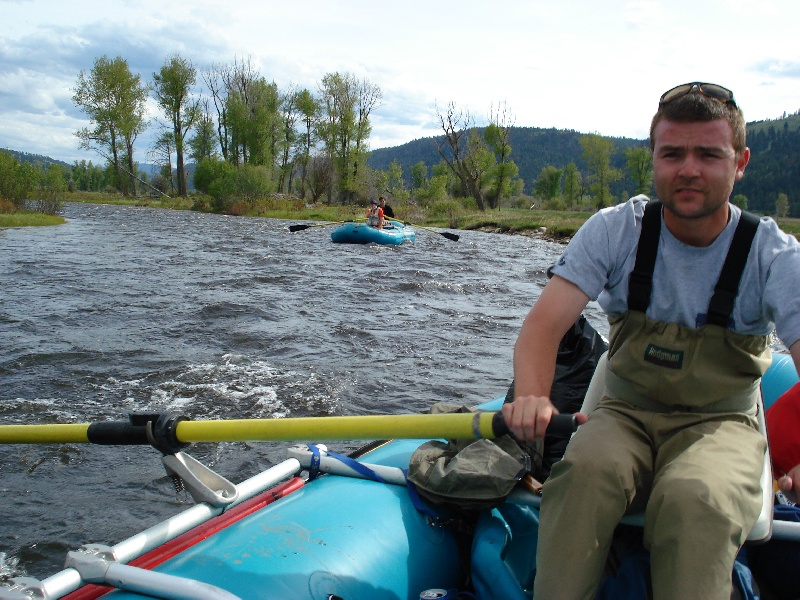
579,65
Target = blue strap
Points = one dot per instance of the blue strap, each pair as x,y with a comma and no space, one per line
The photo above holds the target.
360,468
418,503
313,468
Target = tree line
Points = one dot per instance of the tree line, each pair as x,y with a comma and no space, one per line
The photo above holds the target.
248,137
248,141
28,185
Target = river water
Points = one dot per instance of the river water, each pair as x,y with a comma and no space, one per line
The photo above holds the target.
127,309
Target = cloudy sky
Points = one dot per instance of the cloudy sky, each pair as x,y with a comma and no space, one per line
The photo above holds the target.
588,65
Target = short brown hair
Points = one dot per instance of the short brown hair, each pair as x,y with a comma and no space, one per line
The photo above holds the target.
694,107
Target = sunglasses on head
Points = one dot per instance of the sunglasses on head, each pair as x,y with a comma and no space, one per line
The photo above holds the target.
709,90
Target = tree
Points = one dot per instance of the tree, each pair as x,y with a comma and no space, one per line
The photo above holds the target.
419,175
549,183
740,200
114,100
203,144
309,110
782,205
172,89
466,158
640,168
291,114
161,155
395,185
497,138
597,152
216,79
50,191
573,187
345,127
17,180
320,176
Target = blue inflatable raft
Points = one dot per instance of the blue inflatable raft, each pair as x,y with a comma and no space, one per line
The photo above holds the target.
344,535
360,233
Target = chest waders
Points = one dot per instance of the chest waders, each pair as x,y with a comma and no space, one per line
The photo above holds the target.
675,434
665,367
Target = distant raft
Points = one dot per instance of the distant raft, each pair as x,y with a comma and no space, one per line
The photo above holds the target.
394,233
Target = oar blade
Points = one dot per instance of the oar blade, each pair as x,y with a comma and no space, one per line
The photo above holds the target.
449,236
294,228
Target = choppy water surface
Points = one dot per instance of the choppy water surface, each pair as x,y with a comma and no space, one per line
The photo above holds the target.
129,309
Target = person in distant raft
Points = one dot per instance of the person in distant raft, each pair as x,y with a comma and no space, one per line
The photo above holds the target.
375,215
693,287
387,210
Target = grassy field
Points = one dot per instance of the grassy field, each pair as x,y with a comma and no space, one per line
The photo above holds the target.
559,225
29,219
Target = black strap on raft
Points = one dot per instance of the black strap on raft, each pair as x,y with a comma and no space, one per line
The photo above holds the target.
640,283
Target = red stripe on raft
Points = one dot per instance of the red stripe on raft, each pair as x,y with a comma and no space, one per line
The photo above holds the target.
205,530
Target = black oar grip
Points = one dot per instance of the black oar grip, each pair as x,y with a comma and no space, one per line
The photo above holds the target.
559,424
133,432
117,433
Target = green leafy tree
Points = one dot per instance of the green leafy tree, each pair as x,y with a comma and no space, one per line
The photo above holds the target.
419,175
740,200
573,188
203,144
161,155
85,176
50,190
395,185
597,151
497,135
209,170
639,165
782,206
548,185
17,180
172,89
345,127
114,100
309,110
290,114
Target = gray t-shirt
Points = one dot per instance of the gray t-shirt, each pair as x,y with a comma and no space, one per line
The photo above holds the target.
602,253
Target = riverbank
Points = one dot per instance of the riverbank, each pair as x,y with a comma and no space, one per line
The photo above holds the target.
558,226
29,218
554,225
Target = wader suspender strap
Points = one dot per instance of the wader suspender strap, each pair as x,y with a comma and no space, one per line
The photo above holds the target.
640,283
721,305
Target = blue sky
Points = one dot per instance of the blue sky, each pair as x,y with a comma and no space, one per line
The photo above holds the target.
585,65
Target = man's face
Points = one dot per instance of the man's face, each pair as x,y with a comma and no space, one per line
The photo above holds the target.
695,166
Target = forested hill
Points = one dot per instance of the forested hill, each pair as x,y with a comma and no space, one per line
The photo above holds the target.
25,157
532,149
774,165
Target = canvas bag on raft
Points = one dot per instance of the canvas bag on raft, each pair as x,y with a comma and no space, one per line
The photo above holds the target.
471,475
467,474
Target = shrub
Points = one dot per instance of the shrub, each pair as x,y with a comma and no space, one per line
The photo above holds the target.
203,203
448,209
210,170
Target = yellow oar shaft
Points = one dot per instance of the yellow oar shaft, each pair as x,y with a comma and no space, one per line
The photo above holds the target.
44,434
455,426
